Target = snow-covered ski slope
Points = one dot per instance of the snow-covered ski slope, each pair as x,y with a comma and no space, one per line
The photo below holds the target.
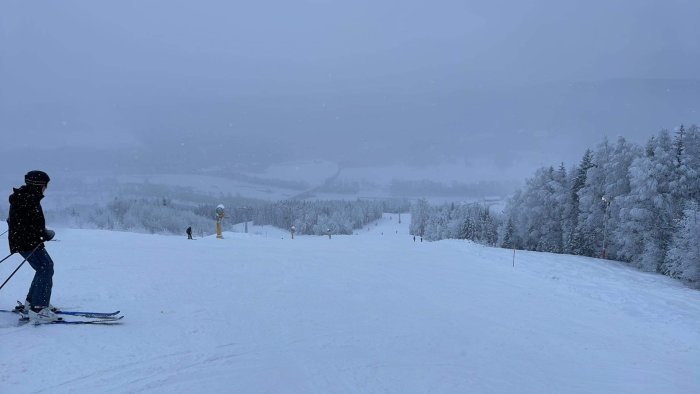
367,313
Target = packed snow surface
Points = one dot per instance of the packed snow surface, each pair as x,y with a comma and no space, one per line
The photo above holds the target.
365,313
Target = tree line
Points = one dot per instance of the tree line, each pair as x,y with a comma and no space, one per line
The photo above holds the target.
169,215
458,221
317,217
637,204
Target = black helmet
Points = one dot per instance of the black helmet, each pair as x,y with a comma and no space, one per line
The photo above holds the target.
36,178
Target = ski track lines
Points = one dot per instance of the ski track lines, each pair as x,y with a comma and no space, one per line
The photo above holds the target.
365,313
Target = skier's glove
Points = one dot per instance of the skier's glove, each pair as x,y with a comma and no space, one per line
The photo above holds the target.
49,234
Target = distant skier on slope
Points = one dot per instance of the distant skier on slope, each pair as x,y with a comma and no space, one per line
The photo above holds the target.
189,232
27,233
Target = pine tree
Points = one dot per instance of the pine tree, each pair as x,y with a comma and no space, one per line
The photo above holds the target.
683,257
678,143
419,217
647,215
690,164
508,236
575,238
490,229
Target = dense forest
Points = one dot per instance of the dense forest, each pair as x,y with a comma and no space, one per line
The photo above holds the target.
637,204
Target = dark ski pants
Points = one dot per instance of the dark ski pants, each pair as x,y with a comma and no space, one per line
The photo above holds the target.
40,291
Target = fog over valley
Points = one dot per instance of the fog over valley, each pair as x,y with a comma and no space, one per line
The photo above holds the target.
451,92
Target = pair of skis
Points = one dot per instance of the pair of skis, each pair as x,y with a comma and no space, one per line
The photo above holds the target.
96,317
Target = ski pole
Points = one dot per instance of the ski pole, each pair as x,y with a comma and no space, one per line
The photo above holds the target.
20,266
8,256
4,232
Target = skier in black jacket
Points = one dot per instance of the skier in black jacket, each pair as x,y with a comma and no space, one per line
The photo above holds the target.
27,233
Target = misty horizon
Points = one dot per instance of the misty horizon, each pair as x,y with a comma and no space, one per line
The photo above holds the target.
502,88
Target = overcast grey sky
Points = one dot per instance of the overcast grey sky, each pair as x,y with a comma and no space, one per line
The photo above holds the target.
296,79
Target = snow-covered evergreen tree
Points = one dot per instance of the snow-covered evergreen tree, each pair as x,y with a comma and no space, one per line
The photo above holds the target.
617,186
683,257
419,217
508,241
593,203
650,203
574,240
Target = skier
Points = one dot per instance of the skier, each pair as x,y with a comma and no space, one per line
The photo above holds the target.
189,232
27,233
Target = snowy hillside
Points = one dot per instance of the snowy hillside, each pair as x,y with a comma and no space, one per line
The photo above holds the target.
365,313
292,180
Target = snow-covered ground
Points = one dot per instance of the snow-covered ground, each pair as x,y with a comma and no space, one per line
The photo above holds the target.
366,313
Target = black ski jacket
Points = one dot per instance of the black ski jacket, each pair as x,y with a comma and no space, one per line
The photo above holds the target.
26,224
